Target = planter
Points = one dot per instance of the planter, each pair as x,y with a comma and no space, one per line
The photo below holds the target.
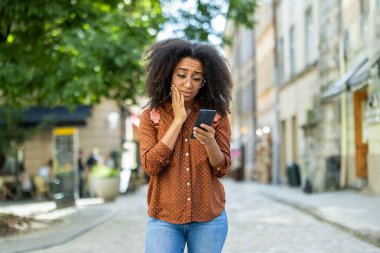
106,188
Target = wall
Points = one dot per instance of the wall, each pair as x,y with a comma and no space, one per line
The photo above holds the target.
37,152
98,133
374,158
296,98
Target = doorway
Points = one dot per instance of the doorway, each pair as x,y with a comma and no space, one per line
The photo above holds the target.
361,145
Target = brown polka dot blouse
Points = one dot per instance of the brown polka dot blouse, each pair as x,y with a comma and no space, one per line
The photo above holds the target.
183,186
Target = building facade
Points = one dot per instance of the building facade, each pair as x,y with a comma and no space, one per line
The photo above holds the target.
355,91
242,63
101,131
297,49
319,87
265,94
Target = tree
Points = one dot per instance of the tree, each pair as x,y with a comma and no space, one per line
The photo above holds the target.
76,52
193,19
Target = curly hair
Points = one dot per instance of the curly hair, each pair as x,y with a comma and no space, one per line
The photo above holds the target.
162,58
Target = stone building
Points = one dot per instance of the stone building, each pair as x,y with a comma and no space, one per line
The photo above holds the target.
323,94
297,58
242,62
354,93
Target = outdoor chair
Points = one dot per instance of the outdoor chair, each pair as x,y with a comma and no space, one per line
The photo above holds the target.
41,186
4,192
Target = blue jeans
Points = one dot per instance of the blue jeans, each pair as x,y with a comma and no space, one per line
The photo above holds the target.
201,237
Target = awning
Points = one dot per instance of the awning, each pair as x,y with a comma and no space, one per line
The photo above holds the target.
59,115
364,73
338,86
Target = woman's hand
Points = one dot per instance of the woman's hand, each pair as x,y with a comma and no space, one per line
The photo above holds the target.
206,136
180,115
178,104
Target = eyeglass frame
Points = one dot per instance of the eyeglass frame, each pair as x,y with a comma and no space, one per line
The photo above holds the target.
191,77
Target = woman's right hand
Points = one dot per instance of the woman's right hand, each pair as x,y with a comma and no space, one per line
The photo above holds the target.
178,104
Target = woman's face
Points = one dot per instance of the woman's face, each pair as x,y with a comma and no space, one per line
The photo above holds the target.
188,77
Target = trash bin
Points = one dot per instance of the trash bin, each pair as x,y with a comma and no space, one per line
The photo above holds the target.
64,185
308,188
239,174
332,173
293,172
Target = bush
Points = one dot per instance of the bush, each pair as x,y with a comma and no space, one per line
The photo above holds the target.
102,171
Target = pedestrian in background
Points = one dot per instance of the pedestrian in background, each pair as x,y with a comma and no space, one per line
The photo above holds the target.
46,171
186,200
82,174
94,159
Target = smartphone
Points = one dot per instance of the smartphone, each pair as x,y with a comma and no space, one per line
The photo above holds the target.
205,116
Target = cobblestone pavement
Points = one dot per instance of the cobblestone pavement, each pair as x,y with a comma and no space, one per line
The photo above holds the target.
256,224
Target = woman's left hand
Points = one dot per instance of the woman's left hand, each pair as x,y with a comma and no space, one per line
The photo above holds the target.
206,136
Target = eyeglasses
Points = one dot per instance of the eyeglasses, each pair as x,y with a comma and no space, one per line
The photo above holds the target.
197,81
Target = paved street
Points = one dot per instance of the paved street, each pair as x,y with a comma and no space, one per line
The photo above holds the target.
256,224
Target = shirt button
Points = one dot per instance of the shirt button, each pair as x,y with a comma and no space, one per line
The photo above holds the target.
188,199
187,154
218,168
186,140
187,169
188,183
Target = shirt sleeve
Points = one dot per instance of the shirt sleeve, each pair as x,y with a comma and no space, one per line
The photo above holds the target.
154,154
223,137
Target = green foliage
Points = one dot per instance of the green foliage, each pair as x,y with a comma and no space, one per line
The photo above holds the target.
74,52
194,22
12,134
69,52
102,171
242,12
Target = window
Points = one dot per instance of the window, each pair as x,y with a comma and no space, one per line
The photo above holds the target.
309,40
294,138
377,26
364,13
346,45
280,58
248,45
292,51
291,5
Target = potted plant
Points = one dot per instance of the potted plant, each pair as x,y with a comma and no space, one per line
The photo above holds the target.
105,181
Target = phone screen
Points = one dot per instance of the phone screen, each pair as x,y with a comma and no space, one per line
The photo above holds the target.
205,116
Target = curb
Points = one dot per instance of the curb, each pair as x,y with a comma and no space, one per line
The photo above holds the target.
73,225
366,236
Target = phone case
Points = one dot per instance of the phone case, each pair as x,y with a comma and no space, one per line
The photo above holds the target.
205,116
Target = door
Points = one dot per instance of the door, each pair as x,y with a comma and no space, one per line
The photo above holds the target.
361,147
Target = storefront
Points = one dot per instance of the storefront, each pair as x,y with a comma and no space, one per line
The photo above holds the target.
97,127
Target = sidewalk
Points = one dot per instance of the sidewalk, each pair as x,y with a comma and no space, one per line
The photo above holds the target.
349,210
71,222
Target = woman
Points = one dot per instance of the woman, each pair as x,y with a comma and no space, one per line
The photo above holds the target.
186,199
